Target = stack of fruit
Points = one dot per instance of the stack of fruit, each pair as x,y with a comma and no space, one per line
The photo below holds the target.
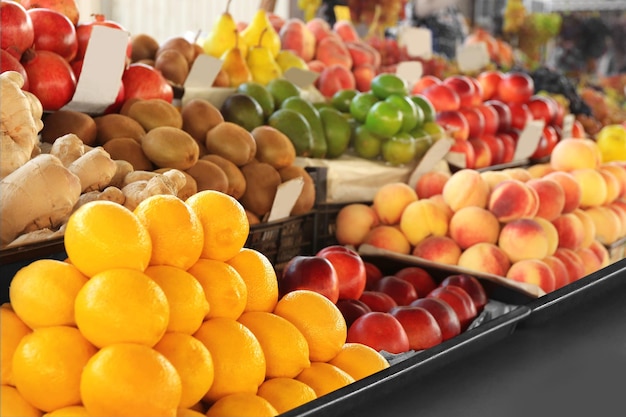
566,212
164,302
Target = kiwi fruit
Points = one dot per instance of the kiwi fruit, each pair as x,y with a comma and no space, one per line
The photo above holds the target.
273,147
62,122
306,200
190,188
208,176
200,116
114,125
180,44
262,181
173,65
128,149
170,147
143,47
236,180
155,112
232,142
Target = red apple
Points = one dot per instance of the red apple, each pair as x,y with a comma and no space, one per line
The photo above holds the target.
84,29
419,278
520,115
423,83
489,80
442,97
455,123
402,292
380,331
17,28
310,273
372,274
459,300
471,285
504,114
350,270
445,315
463,86
509,146
477,98
496,145
146,82
352,309
515,87
548,141
54,32
542,107
378,301
9,63
50,78
475,120
492,120
420,326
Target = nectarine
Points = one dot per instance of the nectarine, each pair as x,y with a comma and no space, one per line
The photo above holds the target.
380,331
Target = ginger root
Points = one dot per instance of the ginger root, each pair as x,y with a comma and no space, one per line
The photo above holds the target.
110,193
39,194
19,123
167,183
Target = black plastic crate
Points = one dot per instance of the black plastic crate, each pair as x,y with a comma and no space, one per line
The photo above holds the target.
326,223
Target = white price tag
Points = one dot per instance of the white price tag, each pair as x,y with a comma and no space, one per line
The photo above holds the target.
418,41
457,159
410,71
203,72
301,78
472,57
568,126
529,139
286,196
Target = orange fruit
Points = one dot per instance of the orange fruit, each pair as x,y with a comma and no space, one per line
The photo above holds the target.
324,378
241,404
359,360
122,305
193,363
12,404
43,292
319,320
224,222
175,230
223,287
47,366
286,393
12,330
260,277
185,296
102,235
238,358
285,349
128,379
71,411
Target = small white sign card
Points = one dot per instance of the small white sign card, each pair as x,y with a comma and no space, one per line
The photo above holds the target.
418,41
286,196
529,139
472,57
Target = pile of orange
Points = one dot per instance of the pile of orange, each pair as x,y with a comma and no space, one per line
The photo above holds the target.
162,311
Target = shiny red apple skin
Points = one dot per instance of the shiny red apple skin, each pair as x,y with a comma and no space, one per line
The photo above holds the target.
491,118
442,97
549,139
420,278
455,122
372,274
424,82
465,148
51,78
489,80
352,309
463,86
482,153
146,82
54,32
496,146
446,317
515,87
459,300
402,292
17,29
542,108
378,301
475,120
472,286
310,273
84,29
504,114
420,326
380,331
350,270
520,115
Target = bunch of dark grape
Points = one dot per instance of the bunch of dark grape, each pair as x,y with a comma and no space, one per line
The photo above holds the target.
552,81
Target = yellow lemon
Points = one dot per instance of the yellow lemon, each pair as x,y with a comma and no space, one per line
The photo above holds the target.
359,360
286,393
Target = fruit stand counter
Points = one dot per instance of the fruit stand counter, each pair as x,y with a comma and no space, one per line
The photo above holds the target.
567,358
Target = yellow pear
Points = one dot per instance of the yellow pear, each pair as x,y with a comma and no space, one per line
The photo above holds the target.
234,64
252,33
262,64
224,36
288,59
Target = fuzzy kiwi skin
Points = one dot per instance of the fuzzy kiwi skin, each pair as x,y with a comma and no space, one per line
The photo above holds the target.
114,125
169,147
62,122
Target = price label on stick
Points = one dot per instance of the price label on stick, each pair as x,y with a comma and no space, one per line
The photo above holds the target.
529,139
418,41
568,125
410,71
472,57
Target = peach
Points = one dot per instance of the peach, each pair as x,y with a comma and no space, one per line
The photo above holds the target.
362,53
551,197
523,239
588,225
485,257
471,225
613,186
551,232
619,172
297,37
332,51
316,66
423,218
601,252
346,30
391,199
571,188
494,178
441,249
593,189
438,199
621,213
570,154
431,183
465,188
388,238
353,223
572,262
363,76
570,229
320,28
533,271
591,262
520,174
607,222
561,276
513,199
540,170
334,78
